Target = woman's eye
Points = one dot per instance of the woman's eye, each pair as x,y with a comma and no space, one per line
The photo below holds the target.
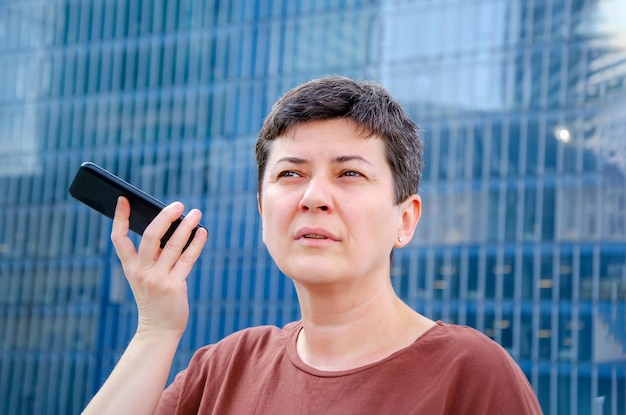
288,173
350,173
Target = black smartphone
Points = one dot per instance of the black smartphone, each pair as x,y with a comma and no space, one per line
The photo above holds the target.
99,189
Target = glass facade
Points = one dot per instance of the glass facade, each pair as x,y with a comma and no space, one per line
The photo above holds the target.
523,234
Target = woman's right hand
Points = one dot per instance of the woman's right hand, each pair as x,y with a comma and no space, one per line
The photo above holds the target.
158,280
158,276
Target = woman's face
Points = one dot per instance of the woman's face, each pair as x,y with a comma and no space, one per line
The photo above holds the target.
327,204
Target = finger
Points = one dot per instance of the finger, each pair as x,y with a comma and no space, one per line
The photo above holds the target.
150,244
174,246
119,233
183,266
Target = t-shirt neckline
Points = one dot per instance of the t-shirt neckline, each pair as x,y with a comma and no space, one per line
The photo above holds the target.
295,359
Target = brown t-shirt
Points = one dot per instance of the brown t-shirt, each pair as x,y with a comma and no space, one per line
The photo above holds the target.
450,369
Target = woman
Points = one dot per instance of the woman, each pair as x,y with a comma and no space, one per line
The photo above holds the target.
339,166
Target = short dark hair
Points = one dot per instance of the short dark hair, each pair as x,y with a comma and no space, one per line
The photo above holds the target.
369,105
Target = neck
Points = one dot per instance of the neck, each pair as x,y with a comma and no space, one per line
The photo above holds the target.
344,332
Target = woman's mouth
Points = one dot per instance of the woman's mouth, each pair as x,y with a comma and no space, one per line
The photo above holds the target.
314,236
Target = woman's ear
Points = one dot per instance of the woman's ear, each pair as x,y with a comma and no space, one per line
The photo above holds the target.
411,213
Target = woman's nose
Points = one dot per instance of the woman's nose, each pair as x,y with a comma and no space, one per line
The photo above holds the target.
317,196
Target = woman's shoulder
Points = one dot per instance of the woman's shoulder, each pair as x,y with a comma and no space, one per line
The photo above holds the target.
474,365
456,335
252,340
461,343
464,345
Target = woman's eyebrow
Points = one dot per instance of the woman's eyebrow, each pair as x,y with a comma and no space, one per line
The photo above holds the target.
347,158
336,160
291,160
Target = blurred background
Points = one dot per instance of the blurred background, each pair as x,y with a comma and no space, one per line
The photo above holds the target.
523,234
